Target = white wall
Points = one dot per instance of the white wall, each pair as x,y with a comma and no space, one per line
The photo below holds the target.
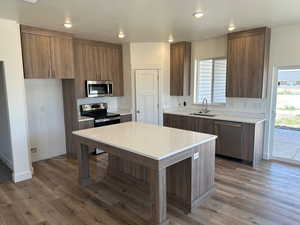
46,123
11,55
284,52
153,56
5,139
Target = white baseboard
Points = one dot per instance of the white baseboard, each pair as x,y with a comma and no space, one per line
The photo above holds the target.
6,161
18,177
267,156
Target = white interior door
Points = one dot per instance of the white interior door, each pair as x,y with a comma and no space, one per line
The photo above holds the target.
147,95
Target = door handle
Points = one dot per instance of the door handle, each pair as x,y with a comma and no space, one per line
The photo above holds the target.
137,111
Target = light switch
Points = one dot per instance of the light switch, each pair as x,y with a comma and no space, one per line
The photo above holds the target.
196,155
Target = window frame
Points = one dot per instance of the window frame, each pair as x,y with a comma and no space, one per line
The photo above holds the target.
196,62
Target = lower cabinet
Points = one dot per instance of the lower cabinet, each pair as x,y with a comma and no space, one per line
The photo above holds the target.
241,141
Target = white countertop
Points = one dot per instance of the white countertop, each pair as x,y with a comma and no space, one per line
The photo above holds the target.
220,116
84,118
122,112
152,141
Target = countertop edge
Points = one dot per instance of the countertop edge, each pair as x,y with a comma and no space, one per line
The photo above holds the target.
83,119
217,118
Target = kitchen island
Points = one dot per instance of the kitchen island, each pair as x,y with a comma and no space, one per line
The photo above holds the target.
163,165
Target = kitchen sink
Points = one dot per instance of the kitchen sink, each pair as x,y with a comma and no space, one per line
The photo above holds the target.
203,114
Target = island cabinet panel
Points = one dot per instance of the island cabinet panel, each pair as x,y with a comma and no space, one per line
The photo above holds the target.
188,181
180,69
241,141
247,64
98,61
47,54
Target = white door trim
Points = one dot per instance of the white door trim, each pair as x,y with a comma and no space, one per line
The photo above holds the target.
272,110
158,89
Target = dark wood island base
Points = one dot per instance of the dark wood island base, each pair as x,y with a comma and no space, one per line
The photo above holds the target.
183,180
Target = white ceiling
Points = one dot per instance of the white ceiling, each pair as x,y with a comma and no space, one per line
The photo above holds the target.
151,20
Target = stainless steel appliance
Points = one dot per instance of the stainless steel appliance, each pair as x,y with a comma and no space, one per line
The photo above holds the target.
99,88
98,111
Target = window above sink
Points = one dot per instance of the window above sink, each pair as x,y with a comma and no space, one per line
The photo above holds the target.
210,80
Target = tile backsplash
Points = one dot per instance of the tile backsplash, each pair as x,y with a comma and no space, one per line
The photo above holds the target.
113,103
236,105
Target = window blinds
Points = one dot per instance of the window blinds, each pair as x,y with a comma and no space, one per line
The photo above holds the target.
211,80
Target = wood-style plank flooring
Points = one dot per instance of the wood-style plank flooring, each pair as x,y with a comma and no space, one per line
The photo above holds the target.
5,173
267,195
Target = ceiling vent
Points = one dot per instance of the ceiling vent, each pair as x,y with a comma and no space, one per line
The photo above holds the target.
31,1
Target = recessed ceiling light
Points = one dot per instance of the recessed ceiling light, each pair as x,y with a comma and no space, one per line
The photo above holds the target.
121,35
68,25
31,1
198,14
231,27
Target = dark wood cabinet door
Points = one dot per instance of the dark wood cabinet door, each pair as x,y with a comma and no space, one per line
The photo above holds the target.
230,140
36,55
79,70
102,63
117,72
89,61
62,58
247,65
180,65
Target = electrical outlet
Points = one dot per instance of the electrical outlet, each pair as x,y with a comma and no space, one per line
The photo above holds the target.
34,150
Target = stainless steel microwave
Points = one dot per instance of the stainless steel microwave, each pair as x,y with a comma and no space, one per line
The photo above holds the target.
99,88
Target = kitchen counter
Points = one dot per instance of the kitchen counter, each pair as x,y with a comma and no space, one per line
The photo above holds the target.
122,112
142,138
84,118
220,116
159,162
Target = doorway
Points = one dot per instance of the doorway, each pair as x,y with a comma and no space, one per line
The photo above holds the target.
286,139
147,95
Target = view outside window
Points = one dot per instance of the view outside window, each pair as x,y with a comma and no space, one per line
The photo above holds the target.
288,99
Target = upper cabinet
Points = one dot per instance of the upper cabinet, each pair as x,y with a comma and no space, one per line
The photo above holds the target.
98,61
247,65
180,70
47,54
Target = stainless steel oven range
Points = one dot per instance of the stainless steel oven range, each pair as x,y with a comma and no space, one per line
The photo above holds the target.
98,111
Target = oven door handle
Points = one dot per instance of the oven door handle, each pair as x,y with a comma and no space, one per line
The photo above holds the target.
107,119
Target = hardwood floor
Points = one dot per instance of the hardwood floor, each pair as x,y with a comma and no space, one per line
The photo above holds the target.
5,173
266,195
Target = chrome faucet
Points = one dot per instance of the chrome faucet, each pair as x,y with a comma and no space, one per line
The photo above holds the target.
204,105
